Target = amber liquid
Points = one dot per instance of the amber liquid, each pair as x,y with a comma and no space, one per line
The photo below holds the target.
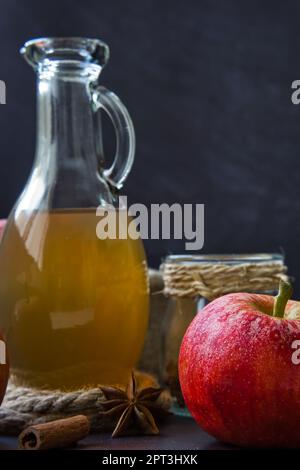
74,309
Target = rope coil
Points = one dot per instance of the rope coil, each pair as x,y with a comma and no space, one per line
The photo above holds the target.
25,406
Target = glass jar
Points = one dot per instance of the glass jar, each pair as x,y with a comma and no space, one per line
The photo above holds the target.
185,277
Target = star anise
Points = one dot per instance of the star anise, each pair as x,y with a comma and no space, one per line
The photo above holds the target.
132,410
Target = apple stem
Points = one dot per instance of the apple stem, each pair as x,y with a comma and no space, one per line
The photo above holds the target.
280,301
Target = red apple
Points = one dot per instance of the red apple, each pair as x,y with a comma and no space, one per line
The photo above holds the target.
4,368
239,369
2,226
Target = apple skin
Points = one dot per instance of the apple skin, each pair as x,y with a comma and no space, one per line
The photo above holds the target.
4,368
2,227
236,372
4,374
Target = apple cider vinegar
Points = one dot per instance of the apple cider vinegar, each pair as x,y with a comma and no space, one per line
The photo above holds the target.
74,308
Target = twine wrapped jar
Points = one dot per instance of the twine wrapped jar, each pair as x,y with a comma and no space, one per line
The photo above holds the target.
191,282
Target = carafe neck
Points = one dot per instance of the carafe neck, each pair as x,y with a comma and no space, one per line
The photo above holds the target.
67,170
68,151
65,118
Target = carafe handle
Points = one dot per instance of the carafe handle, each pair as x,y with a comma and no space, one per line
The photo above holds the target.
125,136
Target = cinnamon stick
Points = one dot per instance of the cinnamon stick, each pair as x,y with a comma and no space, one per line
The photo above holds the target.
59,433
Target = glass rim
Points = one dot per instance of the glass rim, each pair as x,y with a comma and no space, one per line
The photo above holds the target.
65,49
226,258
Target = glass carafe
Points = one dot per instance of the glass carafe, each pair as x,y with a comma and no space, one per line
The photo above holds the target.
74,308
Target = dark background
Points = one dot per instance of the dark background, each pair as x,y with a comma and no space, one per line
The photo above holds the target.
208,86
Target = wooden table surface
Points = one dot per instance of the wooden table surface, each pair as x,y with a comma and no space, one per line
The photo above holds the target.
177,433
